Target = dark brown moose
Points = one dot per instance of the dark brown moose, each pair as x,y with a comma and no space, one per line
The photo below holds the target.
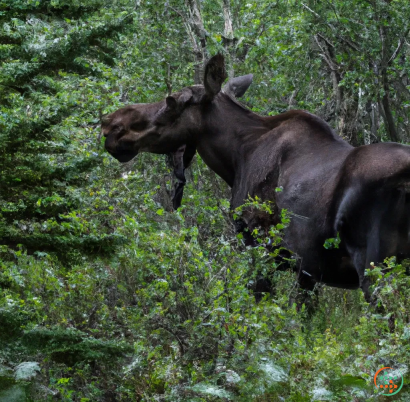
328,185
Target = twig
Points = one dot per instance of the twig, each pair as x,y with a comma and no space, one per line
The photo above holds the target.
399,47
181,345
313,12
343,39
325,55
326,40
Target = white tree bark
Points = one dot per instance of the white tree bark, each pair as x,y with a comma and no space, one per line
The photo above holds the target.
197,33
228,36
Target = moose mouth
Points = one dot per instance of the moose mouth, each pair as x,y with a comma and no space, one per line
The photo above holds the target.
124,156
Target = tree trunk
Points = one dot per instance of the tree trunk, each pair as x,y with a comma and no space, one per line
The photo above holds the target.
228,36
197,33
388,115
385,101
328,55
348,121
337,90
374,122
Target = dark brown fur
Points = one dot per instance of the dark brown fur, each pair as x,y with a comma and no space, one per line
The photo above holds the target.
328,185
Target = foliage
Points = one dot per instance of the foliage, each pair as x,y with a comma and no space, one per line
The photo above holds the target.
106,294
57,59
332,242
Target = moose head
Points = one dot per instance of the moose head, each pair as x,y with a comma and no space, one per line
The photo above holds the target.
174,125
163,127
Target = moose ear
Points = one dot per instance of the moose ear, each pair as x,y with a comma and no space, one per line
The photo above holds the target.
237,86
174,106
171,102
178,102
215,75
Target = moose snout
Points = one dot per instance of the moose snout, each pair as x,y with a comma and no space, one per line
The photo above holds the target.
118,150
110,144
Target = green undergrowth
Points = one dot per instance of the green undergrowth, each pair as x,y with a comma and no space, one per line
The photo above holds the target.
170,317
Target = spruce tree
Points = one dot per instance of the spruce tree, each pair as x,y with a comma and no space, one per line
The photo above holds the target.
56,60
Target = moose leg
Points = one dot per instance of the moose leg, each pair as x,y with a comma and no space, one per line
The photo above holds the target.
359,262
307,294
261,286
379,232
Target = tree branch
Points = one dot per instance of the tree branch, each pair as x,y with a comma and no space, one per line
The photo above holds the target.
399,47
325,55
313,12
351,44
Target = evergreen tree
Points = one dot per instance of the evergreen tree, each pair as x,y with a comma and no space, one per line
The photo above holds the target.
56,61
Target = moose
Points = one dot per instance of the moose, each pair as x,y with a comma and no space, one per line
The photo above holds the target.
332,188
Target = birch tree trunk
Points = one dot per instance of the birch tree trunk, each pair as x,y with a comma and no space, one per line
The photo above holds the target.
197,33
229,39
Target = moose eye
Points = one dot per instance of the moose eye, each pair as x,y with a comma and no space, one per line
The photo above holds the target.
139,125
116,129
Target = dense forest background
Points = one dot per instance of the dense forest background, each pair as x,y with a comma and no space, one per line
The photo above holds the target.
109,295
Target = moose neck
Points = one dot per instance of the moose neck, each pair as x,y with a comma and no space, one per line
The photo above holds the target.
230,132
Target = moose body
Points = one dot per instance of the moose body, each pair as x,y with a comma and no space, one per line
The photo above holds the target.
329,186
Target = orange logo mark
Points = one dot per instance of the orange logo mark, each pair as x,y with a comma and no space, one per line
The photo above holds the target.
389,381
